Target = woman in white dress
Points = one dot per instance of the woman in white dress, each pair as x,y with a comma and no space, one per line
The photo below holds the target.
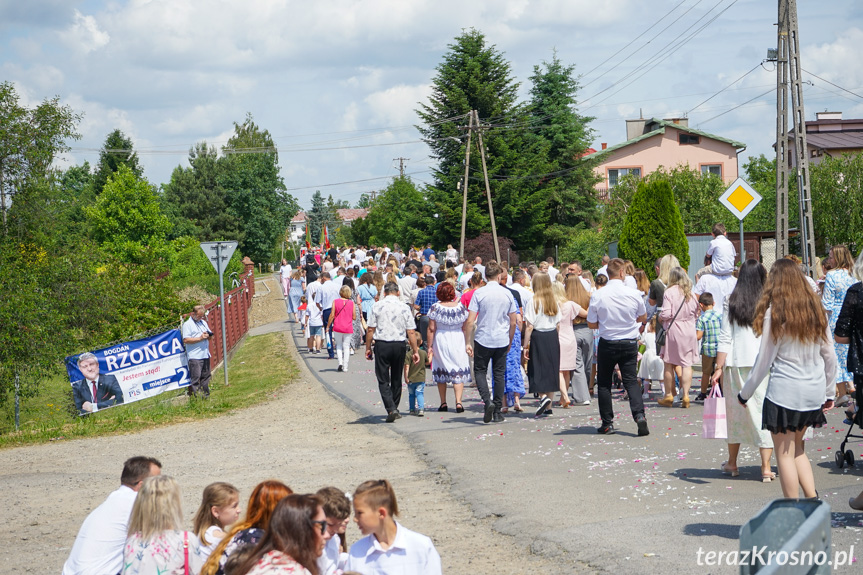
446,345
735,356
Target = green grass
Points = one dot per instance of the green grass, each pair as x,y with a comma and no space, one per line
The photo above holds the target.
257,370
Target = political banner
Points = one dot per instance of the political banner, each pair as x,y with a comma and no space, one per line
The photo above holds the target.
128,372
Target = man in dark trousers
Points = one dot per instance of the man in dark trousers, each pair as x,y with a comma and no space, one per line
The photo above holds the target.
96,391
390,322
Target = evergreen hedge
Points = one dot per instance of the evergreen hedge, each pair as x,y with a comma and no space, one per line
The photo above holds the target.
653,228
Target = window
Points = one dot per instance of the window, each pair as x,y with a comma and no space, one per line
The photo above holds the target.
685,139
715,169
615,174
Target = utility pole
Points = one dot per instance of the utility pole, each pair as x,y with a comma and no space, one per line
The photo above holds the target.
788,67
401,166
464,184
487,189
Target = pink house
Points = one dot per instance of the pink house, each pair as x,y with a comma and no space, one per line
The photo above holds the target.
651,143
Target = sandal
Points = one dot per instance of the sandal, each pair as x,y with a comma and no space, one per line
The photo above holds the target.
767,477
443,407
459,408
517,408
732,471
564,405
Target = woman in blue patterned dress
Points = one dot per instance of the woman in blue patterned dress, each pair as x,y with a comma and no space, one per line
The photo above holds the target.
446,345
514,387
836,284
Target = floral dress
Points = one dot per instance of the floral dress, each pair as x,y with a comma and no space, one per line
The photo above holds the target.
161,555
277,563
836,284
240,540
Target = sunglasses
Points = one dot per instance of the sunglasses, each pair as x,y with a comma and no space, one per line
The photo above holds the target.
323,525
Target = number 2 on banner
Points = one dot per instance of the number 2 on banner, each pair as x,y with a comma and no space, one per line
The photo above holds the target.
184,375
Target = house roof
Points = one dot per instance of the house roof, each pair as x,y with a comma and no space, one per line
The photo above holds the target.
345,214
835,140
661,130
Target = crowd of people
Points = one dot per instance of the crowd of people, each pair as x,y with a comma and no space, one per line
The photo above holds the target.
139,530
569,337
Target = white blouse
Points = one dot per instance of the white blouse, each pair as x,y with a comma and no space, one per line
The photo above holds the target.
802,375
538,319
739,342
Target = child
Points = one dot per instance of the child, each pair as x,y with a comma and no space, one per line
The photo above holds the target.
316,327
707,330
337,508
651,367
721,252
303,312
387,546
415,377
220,507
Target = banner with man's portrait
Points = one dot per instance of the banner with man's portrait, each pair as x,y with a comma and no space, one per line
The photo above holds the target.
128,372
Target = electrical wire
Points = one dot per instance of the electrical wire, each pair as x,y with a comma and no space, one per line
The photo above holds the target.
686,113
738,106
832,84
352,181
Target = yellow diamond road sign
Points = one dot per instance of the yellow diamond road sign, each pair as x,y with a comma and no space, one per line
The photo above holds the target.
740,198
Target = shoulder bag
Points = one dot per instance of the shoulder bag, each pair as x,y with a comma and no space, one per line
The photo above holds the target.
661,332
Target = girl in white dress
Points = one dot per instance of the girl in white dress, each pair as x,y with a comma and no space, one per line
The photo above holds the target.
651,367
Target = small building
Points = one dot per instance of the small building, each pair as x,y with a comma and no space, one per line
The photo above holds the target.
652,143
829,136
346,217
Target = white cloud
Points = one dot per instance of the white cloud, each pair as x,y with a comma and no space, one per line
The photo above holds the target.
85,35
396,106
838,61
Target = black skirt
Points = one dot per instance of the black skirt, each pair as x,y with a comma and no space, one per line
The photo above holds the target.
544,363
778,419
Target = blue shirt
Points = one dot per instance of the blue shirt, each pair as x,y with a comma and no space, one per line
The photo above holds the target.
193,329
426,298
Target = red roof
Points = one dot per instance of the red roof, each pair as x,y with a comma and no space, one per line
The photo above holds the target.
345,214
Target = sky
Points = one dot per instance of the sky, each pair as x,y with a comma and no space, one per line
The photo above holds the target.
337,82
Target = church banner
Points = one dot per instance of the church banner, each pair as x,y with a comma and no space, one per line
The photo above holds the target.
128,371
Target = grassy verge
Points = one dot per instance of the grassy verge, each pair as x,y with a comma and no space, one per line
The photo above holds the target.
259,368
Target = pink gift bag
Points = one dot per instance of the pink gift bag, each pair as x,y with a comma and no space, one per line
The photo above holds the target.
714,425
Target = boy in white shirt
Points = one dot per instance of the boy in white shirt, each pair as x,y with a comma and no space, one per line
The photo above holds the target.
721,252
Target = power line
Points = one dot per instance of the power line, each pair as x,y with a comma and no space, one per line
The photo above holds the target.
352,182
738,106
832,84
686,113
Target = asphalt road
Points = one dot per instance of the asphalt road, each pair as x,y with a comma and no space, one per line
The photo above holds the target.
619,503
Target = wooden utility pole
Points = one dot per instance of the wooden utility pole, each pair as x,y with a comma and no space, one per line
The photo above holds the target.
464,184
487,190
401,166
788,68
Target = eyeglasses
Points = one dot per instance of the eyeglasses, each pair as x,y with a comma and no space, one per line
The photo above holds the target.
323,525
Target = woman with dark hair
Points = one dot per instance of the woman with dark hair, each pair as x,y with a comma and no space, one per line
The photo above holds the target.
446,345
796,352
836,285
368,294
294,540
250,531
738,347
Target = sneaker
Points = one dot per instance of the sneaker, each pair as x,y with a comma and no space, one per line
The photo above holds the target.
498,417
547,412
340,368
641,422
543,405
420,412
352,351
413,412
586,402
605,429
489,412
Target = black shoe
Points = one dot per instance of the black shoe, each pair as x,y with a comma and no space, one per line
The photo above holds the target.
543,405
443,407
498,417
548,412
392,416
606,429
340,368
701,396
641,422
489,412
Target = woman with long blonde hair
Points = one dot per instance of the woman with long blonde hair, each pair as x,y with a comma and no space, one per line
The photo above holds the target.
576,292
542,321
679,311
157,542
569,312
796,352
836,285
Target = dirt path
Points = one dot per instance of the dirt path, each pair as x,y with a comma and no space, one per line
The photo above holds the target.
303,436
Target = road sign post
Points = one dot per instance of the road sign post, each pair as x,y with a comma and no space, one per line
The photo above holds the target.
740,199
219,254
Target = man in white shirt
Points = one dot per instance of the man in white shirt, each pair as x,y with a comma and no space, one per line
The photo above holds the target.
492,314
196,336
616,312
477,266
98,548
720,286
603,270
465,276
552,271
519,279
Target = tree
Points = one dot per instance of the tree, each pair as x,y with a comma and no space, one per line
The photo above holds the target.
837,197
317,216
476,76
364,203
30,139
399,215
117,151
653,227
195,200
127,219
569,192
254,190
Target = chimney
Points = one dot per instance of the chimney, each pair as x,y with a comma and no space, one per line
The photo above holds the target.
604,145
828,116
635,128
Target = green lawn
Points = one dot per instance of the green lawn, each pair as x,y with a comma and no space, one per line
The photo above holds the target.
257,370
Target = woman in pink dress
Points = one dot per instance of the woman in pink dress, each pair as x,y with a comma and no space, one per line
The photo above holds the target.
679,311
569,310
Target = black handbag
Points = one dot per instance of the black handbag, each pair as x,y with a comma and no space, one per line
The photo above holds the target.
661,332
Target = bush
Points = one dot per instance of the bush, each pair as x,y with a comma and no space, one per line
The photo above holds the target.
586,246
483,246
190,267
653,227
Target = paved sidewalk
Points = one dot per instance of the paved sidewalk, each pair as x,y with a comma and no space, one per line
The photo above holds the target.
618,503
